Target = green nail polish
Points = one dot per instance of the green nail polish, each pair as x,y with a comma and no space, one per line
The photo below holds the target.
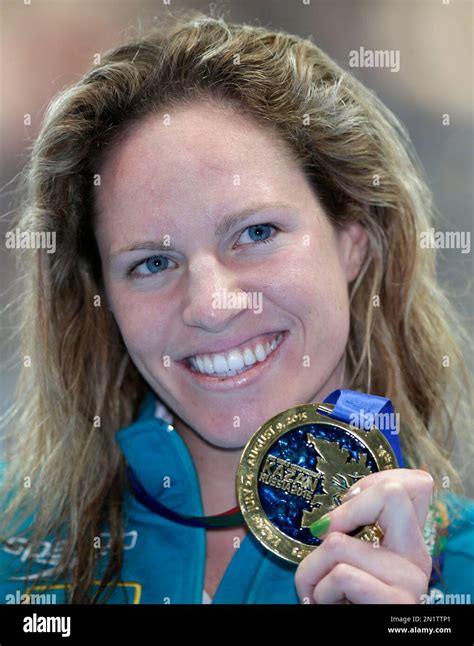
320,526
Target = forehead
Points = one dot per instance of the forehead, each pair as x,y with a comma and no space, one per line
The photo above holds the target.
192,158
188,140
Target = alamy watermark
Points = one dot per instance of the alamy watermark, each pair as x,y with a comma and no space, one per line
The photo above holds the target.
438,596
383,421
18,239
38,624
389,58
35,598
225,300
432,239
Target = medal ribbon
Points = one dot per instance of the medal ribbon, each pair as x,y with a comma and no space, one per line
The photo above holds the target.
363,410
230,518
350,406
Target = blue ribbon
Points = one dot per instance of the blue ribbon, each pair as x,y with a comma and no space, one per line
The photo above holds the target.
363,410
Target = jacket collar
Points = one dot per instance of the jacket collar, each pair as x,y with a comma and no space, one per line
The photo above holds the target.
160,458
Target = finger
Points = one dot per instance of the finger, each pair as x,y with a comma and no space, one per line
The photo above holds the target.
388,503
346,582
418,483
380,562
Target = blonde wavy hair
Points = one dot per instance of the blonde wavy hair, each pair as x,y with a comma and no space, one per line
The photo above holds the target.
361,163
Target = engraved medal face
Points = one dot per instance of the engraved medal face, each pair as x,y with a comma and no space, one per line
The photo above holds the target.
297,467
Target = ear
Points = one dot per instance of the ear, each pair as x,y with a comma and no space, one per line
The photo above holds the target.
353,248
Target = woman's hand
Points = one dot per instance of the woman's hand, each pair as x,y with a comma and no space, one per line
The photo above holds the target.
344,569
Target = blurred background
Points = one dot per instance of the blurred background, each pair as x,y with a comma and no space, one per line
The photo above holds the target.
48,44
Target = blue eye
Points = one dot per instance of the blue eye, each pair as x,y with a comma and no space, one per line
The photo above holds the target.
153,265
260,232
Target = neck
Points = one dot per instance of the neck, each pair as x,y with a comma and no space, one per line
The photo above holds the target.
216,468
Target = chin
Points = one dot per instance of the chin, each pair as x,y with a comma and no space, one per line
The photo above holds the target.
236,440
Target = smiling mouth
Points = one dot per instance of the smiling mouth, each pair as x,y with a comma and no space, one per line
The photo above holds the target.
236,361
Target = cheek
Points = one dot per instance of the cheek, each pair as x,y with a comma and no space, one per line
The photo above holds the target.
332,311
140,319
315,291
315,280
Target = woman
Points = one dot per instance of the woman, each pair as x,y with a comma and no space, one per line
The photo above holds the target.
204,160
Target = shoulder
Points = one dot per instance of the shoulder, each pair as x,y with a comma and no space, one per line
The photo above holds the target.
460,523
456,546
20,565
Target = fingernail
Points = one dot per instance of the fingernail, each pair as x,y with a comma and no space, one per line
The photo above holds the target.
320,526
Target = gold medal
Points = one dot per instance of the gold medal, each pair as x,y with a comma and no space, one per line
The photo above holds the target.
297,467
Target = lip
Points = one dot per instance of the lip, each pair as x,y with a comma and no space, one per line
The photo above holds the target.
229,383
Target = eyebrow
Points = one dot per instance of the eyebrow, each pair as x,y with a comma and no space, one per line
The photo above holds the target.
224,226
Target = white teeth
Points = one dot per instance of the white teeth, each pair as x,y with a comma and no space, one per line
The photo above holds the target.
234,361
249,357
260,352
208,367
220,363
200,363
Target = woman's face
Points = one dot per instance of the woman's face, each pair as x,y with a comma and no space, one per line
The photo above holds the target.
213,245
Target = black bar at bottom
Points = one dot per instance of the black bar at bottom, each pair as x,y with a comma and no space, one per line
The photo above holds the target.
308,623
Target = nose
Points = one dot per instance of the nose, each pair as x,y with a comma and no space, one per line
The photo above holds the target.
209,285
